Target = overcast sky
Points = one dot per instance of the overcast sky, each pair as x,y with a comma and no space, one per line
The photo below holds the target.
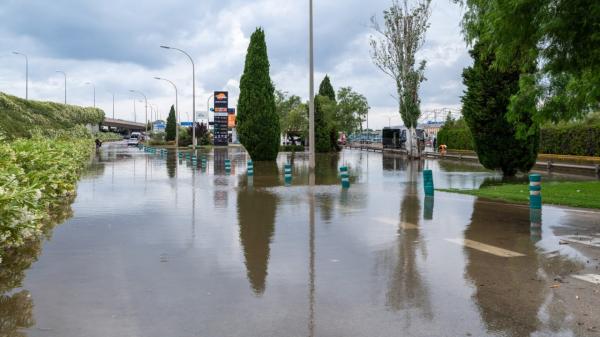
115,45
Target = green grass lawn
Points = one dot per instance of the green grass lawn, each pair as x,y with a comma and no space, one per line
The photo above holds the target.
576,194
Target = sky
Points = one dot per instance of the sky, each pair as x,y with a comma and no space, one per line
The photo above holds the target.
114,44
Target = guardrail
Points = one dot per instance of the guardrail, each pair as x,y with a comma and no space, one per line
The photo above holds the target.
548,165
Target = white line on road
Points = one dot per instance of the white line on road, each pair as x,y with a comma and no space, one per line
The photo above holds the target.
485,248
592,278
583,240
394,222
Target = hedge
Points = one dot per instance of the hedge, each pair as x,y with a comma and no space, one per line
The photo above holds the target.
578,139
23,118
456,135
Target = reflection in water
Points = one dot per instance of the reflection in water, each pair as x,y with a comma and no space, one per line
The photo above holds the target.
392,162
407,290
311,268
16,308
428,208
326,170
171,163
256,215
510,292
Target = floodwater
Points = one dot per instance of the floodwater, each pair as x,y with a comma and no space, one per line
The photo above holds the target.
153,246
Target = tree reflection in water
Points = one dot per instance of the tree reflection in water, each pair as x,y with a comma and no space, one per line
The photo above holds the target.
16,308
407,290
256,216
511,292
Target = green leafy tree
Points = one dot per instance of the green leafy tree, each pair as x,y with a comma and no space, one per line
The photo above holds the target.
171,128
485,110
351,110
394,53
258,121
562,33
326,89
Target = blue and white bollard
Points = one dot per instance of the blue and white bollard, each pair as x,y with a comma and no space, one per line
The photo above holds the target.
250,169
194,160
428,182
535,191
227,166
287,172
203,162
345,177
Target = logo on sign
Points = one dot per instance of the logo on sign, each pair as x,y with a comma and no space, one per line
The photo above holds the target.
221,96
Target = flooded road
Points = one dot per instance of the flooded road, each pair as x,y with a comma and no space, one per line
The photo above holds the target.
153,246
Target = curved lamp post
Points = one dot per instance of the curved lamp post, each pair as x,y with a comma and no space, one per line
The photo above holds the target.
26,73
193,91
94,87
146,101
176,110
64,74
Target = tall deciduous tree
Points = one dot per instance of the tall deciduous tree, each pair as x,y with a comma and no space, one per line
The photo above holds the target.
556,44
351,110
257,120
485,108
171,128
394,52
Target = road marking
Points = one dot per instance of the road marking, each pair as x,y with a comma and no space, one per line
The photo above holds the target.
592,278
485,248
394,222
583,240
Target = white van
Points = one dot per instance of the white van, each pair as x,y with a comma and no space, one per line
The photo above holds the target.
134,139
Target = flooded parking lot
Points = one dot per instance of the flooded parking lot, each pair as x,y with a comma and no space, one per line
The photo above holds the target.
155,246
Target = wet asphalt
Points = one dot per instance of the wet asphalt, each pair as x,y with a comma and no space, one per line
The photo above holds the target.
154,246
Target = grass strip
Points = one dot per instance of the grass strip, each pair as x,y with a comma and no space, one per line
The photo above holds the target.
575,194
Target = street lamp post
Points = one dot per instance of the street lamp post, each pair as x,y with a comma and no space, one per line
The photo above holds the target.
64,74
26,73
94,87
311,92
176,110
193,92
146,101
113,104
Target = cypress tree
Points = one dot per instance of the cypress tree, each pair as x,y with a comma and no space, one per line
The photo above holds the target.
258,121
326,89
485,106
322,124
171,128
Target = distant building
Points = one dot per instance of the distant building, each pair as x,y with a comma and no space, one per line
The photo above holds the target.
431,128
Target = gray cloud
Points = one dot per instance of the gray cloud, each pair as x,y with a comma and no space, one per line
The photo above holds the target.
115,44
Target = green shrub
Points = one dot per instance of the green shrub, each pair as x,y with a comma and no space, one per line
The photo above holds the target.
35,175
109,136
23,118
456,135
579,139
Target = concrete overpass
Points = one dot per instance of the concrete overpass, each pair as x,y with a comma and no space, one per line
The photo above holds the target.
123,126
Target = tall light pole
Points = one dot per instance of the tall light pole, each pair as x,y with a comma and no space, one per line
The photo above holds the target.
26,73
94,87
113,108
65,74
134,111
193,92
176,110
145,100
311,91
